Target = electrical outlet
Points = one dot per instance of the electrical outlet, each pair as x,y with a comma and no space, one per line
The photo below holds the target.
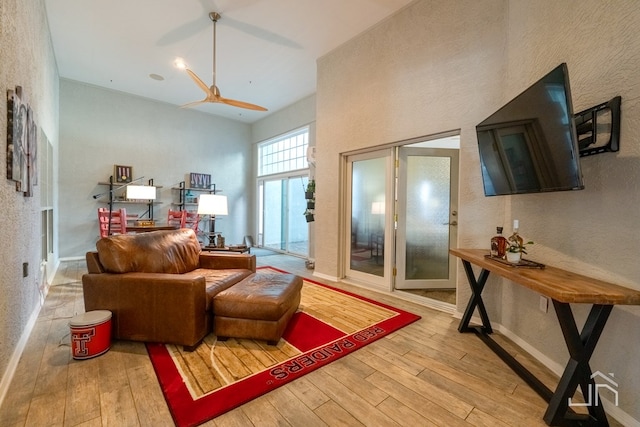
544,304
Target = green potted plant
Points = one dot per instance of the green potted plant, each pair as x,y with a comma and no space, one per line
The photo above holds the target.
310,191
308,213
515,249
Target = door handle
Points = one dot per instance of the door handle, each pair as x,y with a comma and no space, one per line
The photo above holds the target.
451,223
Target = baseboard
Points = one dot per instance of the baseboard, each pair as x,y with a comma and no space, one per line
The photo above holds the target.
611,409
325,277
72,258
46,278
7,377
426,302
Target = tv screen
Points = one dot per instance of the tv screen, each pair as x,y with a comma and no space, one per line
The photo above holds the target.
530,144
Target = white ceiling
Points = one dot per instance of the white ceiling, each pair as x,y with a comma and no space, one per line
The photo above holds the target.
266,49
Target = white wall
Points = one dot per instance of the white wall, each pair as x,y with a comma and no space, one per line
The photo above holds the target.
296,115
439,65
100,128
27,60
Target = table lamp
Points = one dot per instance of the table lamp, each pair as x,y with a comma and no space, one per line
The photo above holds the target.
142,192
212,205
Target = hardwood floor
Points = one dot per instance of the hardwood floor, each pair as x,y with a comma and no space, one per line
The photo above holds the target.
426,374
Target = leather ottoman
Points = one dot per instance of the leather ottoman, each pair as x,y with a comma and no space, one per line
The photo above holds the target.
258,307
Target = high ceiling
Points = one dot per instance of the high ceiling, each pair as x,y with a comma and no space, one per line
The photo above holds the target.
266,49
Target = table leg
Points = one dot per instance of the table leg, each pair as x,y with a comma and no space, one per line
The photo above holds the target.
476,300
578,372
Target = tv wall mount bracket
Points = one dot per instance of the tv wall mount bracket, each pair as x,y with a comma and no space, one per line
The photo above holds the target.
594,124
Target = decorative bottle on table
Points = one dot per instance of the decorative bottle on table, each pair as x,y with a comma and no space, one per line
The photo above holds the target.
498,244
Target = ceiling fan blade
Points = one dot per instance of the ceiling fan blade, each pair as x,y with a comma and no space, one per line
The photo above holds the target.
213,93
193,104
199,82
242,104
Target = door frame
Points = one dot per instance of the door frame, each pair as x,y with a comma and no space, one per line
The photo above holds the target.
344,221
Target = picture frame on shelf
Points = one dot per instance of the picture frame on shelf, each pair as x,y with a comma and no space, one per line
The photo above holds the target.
122,174
199,180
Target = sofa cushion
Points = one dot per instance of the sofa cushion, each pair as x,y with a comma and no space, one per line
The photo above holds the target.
219,280
167,251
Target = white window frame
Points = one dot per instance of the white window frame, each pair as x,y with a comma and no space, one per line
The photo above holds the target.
284,154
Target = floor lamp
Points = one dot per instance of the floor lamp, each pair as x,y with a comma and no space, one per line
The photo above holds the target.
212,205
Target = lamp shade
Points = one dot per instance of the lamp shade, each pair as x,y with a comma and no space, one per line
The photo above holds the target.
212,204
141,192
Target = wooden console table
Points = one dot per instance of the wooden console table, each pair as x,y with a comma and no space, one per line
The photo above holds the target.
563,288
147,228
238,249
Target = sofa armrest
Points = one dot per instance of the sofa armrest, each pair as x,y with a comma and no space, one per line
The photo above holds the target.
221,261
152,307
93,263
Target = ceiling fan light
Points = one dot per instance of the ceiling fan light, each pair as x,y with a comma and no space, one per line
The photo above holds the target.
180,64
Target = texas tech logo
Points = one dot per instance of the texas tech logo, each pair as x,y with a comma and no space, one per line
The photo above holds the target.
81,337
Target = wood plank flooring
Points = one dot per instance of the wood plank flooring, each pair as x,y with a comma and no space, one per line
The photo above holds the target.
426,374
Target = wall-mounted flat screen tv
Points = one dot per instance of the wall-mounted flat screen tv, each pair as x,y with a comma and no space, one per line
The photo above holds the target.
530,144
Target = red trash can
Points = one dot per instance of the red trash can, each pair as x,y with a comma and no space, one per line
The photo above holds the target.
90,334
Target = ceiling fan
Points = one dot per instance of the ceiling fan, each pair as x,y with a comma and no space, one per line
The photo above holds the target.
212,92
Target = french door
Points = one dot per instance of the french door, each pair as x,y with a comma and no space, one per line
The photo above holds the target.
401,215
370,179
427,218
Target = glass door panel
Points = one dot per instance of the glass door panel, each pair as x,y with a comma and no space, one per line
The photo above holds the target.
297,240
426,218
370,188
283,224
273,214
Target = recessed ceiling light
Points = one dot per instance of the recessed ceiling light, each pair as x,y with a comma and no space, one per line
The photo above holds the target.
156,77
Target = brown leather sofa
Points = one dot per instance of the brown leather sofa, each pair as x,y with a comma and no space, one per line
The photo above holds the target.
159,286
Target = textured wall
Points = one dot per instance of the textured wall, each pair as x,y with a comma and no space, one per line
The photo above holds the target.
100,128
435,66
26,59
440,65
593,231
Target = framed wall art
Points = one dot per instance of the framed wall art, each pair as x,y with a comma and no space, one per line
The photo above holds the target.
122,174
199,180
22,142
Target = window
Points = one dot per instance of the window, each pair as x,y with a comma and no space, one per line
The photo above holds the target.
285,153
282,177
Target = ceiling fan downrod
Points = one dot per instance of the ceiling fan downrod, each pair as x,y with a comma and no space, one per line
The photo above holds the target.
214,16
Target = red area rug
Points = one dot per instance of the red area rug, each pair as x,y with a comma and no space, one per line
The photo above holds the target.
220,376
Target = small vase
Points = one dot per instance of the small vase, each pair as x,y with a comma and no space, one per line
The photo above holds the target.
514,257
